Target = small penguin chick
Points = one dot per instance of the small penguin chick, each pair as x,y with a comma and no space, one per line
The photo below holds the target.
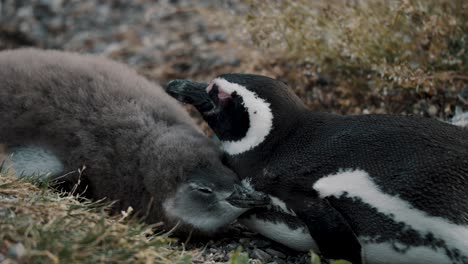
139,146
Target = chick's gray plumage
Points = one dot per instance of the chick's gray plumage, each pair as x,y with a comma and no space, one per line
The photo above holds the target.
137,143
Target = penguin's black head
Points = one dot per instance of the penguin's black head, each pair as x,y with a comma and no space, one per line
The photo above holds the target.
242,109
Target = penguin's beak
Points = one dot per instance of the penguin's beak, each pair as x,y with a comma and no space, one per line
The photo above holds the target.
247,198
191,93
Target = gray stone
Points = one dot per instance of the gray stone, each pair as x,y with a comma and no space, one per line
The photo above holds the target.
24,12
261,255
260,243
432,110
244,240
231,247
275,253
277,261
5,212
16,251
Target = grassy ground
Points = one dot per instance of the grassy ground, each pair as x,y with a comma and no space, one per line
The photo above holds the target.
41,226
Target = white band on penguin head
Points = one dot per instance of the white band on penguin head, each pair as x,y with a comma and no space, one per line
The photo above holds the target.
260,118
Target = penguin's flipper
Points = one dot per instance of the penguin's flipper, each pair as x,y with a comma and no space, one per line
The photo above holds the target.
330,230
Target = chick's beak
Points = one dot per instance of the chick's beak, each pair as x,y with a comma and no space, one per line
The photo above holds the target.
247,198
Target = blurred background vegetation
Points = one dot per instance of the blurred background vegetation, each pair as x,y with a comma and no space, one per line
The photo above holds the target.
390,53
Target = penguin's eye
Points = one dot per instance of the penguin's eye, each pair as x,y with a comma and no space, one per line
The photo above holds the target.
205,190
201,189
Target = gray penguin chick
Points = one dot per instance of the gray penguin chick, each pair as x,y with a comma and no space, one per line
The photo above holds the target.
139,146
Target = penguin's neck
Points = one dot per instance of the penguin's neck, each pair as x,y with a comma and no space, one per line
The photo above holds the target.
295,129
282,129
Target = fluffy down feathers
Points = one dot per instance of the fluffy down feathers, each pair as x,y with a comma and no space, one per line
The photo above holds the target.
137,143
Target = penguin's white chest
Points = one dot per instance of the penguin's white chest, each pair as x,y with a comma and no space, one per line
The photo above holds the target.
357,184
292,233
374,253
33,160
383,253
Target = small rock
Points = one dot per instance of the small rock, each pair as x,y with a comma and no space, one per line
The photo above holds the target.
5,212
55,24
432,110
216,36
275,253
25,11
218,257
277,261
244,240
54,5
16,251
322,81
261,255
260,243
231,247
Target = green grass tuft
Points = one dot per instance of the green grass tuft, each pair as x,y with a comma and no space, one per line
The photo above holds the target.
239,257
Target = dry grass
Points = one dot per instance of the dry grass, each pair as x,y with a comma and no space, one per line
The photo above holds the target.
413,44
57,228
361,56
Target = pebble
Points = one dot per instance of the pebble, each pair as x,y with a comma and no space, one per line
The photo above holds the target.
5,212
16,251
260,243
275,253
261,255
432,110
231,247
244,240
277,261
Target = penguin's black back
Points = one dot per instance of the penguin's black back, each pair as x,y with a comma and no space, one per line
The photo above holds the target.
420,160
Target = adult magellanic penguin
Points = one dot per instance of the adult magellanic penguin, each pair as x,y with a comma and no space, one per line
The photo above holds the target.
399,183
60,111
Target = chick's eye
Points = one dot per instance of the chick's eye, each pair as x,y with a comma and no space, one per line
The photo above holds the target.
205,190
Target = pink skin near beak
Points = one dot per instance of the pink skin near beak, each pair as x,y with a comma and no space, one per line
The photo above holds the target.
222,95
